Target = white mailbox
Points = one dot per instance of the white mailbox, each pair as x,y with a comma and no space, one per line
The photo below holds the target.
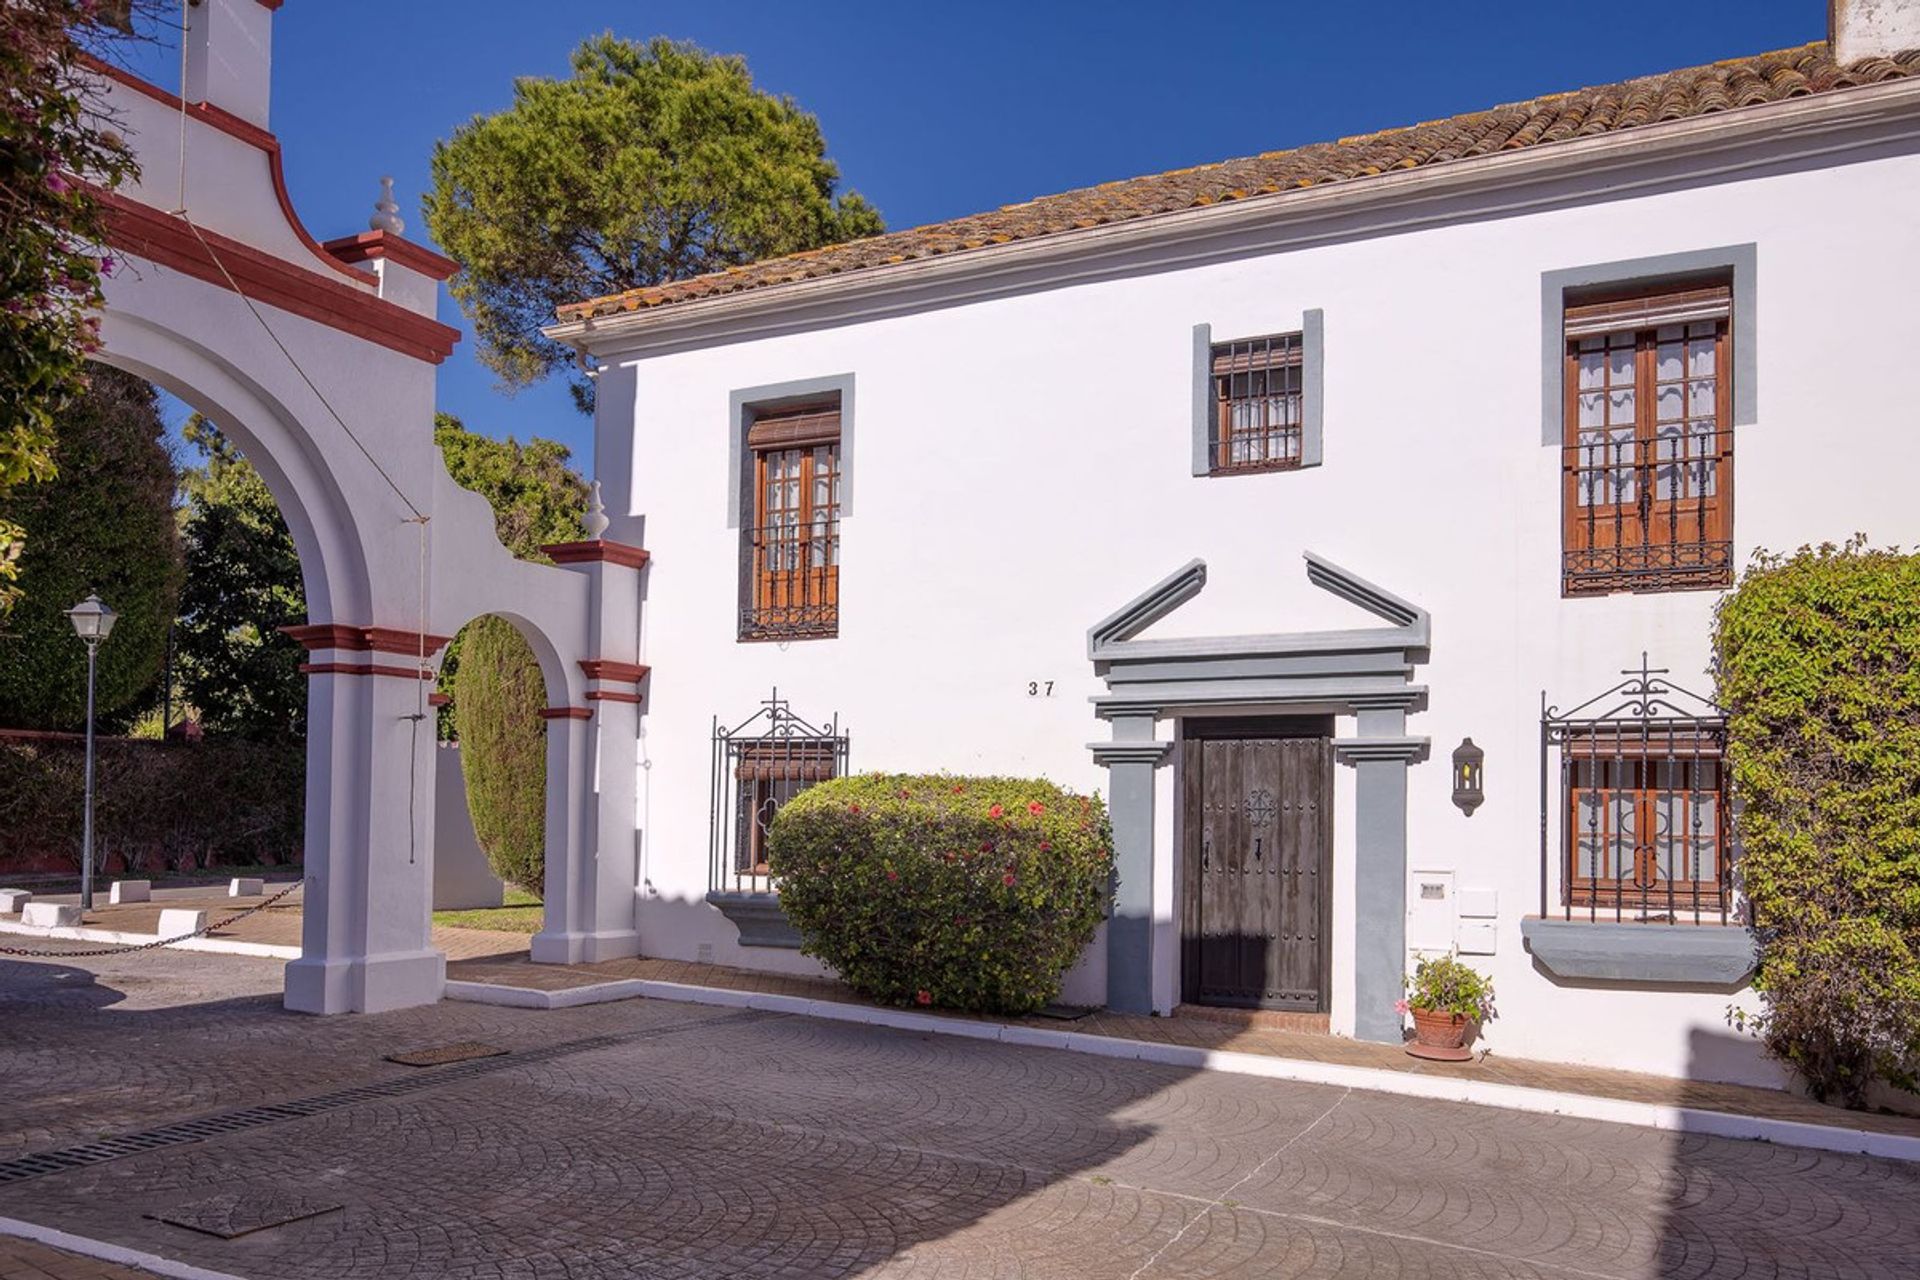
1430,911
1476,937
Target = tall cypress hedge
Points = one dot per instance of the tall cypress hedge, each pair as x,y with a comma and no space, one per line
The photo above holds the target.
503,752
1819,669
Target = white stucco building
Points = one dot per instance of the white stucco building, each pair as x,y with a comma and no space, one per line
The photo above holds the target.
1252,495
1449,422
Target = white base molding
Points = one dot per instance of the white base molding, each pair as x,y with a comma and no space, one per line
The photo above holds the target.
373,984
121,938
54,1238
584,948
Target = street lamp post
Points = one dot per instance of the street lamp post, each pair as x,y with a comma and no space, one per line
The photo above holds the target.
92,622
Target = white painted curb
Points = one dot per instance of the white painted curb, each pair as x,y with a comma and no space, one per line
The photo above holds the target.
120,938
57,1239
1647,1115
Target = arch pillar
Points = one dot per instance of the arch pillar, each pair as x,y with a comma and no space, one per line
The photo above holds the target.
365,922
592,762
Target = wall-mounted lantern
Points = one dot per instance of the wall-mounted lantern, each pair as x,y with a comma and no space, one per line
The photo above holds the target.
1468,792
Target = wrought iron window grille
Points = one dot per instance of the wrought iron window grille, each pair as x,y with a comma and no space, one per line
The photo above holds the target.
790,581
1257,422
1647,463
758,765
1644,828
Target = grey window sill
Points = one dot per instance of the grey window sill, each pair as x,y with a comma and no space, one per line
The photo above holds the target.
759,919
1655,954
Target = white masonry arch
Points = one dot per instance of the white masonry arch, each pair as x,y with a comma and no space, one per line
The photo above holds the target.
319,361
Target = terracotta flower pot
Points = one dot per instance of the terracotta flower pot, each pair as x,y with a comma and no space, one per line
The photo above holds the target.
1442,1037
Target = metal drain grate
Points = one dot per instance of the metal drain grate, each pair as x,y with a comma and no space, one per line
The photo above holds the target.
215,1126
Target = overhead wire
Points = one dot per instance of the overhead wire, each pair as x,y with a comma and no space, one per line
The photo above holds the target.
416,516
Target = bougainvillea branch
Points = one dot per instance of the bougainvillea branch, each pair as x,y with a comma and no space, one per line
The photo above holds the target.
54,152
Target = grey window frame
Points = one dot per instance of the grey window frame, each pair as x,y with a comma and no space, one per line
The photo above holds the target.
1312,331
1740,261
745,404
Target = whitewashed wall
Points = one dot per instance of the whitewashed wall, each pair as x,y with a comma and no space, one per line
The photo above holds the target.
1021,466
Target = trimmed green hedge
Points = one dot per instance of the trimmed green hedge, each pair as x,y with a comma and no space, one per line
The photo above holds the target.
174,806
967,893
498,695
1818,658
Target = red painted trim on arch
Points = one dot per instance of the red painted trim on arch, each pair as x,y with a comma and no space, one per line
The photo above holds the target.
618,672
609,695
400,640
325,635
253,135
369,245
144,232
566,713
334,635
359,669
596,551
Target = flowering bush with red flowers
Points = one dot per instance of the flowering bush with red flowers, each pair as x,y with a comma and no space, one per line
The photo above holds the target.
965,893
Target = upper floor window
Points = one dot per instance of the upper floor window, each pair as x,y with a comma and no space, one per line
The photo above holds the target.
790,585
1257,423
1647,454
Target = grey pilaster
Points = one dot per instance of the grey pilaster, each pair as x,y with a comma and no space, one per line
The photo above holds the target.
1380,756
1202,398
1130,760
1313,385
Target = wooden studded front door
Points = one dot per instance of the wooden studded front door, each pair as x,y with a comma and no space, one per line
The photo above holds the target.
1256,891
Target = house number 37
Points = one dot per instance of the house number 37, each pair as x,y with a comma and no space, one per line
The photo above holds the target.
1039,688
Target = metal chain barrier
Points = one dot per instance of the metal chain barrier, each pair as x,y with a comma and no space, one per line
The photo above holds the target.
130,948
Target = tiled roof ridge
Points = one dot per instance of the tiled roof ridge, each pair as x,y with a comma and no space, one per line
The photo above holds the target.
1729,83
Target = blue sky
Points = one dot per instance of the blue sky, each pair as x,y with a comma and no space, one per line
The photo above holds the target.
933,111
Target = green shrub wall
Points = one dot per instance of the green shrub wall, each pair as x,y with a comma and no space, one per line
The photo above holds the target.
175,806
498,695
1819,668
965,893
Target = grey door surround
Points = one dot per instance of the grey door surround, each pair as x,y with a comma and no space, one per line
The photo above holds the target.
1366,673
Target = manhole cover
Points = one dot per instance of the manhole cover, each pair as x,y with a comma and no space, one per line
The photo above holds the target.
243,1212
1063,1012
441,1054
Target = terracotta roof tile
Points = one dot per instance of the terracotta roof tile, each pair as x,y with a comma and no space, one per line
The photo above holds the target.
1584,113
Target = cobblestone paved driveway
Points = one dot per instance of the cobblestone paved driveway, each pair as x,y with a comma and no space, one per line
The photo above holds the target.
687,1141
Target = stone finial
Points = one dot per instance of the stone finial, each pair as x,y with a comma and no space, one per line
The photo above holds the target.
596,521
386,213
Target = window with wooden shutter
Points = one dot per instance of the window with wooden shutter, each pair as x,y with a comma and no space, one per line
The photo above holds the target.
791,587
1646,821
1647,460
1257,423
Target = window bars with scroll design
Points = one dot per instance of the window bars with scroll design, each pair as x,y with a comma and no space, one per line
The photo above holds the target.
1642,803
758,765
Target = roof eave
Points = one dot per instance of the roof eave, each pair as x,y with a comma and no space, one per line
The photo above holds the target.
1813,117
